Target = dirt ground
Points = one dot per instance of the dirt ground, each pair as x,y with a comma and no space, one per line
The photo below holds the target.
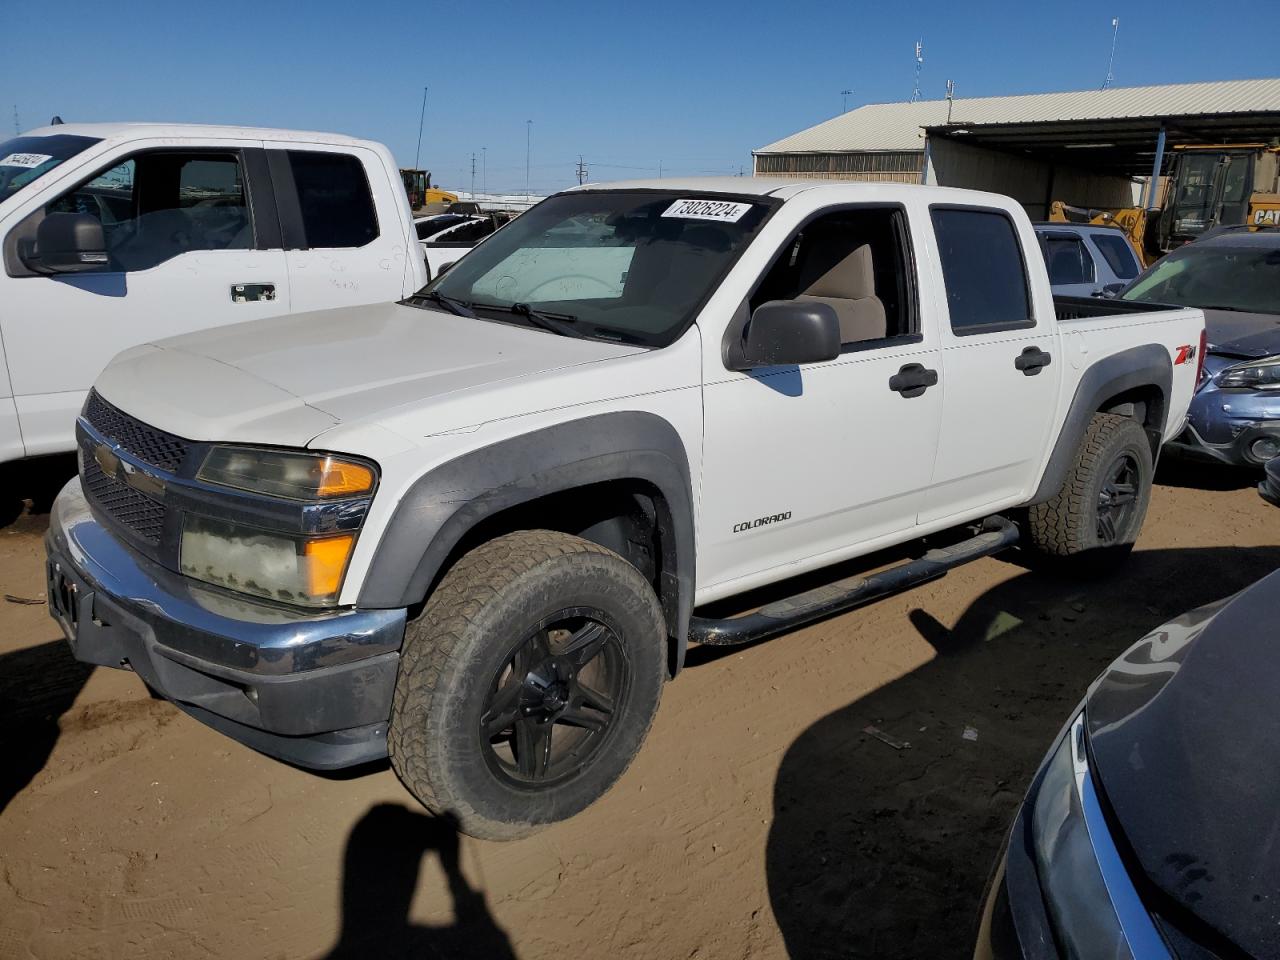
760,820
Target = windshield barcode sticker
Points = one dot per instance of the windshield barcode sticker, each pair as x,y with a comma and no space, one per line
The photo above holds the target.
725,211
28,161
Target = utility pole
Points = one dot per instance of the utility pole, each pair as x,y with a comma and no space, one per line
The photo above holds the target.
915,93
951,97
17,127
484,170
417,156
659,169
1115,30
844,100
528,152
473,176
582,171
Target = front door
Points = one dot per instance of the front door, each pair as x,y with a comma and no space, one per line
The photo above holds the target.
803,465
185,252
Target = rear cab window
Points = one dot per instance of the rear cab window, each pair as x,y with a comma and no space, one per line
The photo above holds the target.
983,270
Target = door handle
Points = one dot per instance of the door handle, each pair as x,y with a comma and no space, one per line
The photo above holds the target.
252,292
1030,360
913,380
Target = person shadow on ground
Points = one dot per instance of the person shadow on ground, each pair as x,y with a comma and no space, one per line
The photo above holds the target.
381,868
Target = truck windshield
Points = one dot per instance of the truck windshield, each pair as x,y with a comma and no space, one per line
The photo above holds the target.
1214,276
22,159
633,266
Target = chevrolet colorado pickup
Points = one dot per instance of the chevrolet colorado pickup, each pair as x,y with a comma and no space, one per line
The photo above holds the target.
476,530
114,234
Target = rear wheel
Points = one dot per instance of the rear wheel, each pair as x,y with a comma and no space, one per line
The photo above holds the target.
527,684
1099,510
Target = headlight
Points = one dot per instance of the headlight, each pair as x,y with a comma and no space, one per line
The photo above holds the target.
1254,374
303,570
1095,909
285,473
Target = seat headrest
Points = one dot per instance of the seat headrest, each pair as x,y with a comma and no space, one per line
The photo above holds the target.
853,278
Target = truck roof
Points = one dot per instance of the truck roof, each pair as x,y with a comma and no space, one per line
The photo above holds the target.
140,131
784,189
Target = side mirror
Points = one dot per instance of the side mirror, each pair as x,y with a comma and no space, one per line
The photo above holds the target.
68,243
1110,291
788,332
445,268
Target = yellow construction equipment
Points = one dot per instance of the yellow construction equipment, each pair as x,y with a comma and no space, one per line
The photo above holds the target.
417,184
1207,186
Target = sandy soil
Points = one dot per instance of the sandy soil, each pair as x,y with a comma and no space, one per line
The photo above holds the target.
760,821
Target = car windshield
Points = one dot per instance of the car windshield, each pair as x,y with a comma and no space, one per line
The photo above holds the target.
22,159
1214,276
633,266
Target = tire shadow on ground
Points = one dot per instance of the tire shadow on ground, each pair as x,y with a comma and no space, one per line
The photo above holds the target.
380,873
37,686
1183,471
884,852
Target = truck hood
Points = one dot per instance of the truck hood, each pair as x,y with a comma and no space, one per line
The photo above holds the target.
286,379
1185,738
1244,335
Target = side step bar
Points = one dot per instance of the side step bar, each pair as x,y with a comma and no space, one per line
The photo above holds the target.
996,534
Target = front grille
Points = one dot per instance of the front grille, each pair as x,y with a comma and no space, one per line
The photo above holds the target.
148,444
126,506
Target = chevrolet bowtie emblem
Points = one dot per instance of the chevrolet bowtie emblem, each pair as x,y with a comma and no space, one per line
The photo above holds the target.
107,460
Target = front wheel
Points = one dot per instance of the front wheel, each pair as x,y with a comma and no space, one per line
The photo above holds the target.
527,684
1094,520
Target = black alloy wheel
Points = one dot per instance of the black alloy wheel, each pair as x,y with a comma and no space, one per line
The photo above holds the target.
1118,499
551,705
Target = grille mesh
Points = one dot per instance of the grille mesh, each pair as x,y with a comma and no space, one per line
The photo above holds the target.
148,444
126,506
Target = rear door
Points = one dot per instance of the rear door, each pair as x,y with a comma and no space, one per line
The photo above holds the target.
347,240
1001,365
193,242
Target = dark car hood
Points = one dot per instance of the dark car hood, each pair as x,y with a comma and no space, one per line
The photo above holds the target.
1244,335
1185,735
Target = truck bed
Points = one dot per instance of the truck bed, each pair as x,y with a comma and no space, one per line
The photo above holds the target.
1082,308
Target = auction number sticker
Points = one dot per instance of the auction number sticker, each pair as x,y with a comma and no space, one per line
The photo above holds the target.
724,211
28,161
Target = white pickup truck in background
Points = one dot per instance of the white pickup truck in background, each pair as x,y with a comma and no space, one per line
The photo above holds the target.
477,529
114,234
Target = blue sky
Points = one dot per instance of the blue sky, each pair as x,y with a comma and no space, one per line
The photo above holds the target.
692,86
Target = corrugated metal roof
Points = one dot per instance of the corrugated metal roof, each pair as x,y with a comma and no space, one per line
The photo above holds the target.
897,126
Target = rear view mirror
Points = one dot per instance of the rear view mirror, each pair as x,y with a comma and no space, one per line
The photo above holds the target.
788,332
67,243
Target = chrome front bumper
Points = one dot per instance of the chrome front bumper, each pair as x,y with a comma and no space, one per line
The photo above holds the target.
313,689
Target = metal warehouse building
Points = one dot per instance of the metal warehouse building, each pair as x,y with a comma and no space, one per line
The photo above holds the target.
1091,148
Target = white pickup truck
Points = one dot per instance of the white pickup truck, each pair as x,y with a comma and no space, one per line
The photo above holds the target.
474,529
119,233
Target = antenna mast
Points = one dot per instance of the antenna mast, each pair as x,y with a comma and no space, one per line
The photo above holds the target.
915,94
1115,30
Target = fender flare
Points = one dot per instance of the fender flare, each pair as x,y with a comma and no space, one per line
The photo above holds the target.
1147,365
445,503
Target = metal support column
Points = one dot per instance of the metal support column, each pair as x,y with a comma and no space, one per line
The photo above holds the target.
1155,172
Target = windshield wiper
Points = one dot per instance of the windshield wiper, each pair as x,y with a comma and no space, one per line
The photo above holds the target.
453,305
555,322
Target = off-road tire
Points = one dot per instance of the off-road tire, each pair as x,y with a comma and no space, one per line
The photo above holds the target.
467,630
1064,529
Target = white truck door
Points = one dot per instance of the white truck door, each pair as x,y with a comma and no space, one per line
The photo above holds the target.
191,243
1001,362
802,465
346,225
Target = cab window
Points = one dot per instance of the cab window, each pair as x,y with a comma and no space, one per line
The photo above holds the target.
156,206
858,262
